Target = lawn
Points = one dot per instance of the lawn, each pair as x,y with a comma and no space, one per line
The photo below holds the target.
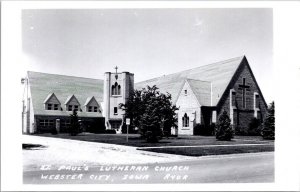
218,150
135,140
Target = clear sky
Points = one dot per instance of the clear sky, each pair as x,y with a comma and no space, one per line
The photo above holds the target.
147,42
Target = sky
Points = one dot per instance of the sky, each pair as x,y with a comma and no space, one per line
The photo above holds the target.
147,42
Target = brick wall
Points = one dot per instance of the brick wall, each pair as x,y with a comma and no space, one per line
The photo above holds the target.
243,115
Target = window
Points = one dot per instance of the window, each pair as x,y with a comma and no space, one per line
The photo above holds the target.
233,96
185,92
256,104
185,120
90,108
55,106
116,89
115,110
69,107
95,109
49,106
46,123
76,107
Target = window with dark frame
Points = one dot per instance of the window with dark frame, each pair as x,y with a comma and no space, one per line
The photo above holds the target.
116,89
90,108
55,106
69,107
76,107
185,120
115,110
49,106
95,109
256,101
233,97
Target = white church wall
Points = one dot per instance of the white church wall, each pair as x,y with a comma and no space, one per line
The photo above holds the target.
188,104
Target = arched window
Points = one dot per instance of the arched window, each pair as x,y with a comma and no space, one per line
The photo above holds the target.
116,89
119,89
185,120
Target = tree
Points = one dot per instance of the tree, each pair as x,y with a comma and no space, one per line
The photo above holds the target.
152,112
268,130
224,131
74,128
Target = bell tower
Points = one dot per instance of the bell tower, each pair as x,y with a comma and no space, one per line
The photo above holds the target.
117,87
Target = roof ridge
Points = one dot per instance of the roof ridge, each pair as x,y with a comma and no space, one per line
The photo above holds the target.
62,75
198,80
223,61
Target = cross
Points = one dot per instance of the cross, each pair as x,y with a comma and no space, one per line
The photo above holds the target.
243,87
116,72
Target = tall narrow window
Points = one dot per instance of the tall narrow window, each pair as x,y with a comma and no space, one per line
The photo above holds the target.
185,120
55,106
256,101
113,89
115,110
119,90
116,89
185,92
233,98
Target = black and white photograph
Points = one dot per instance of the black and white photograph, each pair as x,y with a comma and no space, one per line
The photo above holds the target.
145,95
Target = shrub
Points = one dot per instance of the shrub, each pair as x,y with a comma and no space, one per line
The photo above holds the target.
254,127
224,131
152,137
54,131
268,130
75,126
200,129
110,131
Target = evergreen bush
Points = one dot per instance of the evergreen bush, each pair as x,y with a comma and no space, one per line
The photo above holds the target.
223,130
268,130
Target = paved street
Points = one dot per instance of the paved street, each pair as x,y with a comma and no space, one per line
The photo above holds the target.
238,168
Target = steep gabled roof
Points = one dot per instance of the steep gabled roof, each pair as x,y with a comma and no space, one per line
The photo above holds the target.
43,84
50,96
219,74
202,91
70,99
89,100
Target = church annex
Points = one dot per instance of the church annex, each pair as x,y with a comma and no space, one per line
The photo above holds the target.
201,94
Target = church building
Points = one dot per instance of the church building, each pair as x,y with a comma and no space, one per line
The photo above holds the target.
201,94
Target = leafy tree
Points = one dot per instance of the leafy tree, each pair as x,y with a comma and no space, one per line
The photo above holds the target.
224,131
152,112
74,128
268,130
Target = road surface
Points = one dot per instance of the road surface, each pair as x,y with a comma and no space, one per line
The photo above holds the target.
237,168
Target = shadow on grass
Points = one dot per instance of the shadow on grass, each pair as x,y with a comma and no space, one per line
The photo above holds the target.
26,146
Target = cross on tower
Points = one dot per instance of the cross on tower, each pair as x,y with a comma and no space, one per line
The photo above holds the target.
116,72
244,88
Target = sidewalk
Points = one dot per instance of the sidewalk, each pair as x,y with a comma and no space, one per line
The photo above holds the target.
72,152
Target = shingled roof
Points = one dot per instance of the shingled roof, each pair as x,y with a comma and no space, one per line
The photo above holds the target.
202,91
202,79
219,74
43,84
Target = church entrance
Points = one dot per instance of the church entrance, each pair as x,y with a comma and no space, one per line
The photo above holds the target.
116,124
206,120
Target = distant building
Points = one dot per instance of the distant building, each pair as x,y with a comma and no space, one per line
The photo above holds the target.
201,94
